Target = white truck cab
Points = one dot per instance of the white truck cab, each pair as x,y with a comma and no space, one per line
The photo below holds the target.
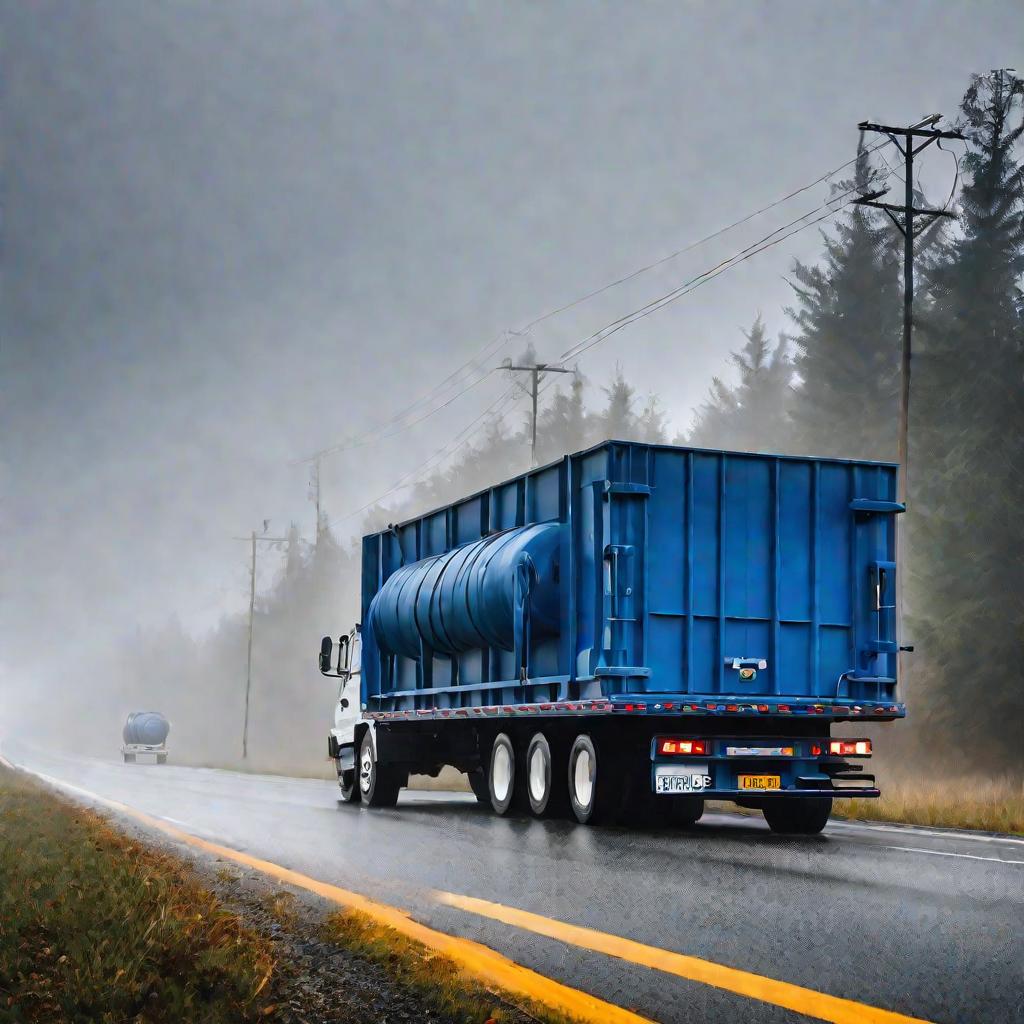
345,739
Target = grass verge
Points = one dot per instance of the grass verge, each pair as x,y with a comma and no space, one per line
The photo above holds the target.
991,805
440,982
97,927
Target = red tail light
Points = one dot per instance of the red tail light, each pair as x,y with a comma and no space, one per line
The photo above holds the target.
850,748
677,746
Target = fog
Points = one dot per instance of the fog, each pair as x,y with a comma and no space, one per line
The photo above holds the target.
235,235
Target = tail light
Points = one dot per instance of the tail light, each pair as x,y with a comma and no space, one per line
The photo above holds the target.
849,748
671,745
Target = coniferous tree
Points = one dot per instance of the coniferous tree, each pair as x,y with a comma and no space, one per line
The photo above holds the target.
754,414
563,425
651,424
967,446
846,348
618,418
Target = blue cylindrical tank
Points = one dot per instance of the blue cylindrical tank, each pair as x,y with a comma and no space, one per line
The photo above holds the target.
146,727
467,597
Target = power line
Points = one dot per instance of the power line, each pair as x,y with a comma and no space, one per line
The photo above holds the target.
767,242
441,453
448,449
710,274
476,363
699,242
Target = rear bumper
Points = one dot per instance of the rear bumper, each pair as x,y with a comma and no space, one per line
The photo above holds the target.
753,769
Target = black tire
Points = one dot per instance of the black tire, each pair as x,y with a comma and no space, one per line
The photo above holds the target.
591,783
683,811
129,759
348,783
478,783
797,816
635,803
161,759
501,774
378,784
544,769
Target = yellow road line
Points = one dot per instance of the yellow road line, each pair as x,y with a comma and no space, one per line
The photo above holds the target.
754,986
493,968
482,962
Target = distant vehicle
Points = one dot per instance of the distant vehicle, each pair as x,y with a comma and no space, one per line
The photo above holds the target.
145,732
628,632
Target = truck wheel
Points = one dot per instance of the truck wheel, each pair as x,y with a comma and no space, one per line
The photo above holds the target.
378,784
501,774
161,759
799,816
129,759
589,788
348,783
684,811
544,771
478,783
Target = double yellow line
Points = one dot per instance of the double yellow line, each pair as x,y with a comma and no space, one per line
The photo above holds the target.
494,969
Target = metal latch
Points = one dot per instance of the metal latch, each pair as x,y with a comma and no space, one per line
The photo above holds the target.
746,667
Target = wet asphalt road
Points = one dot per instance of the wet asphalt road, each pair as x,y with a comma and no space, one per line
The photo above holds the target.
927,924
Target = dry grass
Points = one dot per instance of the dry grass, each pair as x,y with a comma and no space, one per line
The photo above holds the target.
992,805
97,927
438,980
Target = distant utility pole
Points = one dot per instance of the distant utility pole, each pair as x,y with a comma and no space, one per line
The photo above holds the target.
314,494
252,606
922,130
535,372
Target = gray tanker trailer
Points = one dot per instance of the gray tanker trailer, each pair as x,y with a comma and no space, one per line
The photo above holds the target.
145,732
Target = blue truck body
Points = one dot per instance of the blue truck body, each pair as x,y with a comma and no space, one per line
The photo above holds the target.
674,569
742,602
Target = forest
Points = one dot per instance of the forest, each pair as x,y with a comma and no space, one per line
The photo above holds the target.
828,386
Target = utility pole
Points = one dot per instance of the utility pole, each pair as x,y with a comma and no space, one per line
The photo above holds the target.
253,538
922,130
314,486
535,371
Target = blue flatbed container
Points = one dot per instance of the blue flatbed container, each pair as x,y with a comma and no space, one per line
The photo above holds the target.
669,588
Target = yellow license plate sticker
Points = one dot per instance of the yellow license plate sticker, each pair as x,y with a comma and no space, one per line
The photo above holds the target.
760,781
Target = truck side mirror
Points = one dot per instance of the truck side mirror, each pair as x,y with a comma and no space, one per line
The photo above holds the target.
342,655
326,650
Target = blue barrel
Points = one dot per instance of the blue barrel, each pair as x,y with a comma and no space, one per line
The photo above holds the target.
473,596
149,728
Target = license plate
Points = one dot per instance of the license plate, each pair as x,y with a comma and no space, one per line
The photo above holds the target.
691,778
760,781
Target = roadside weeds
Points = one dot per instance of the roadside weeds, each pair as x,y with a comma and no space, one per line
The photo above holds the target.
988,805
98,925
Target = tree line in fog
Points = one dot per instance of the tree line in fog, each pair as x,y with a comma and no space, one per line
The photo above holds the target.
829,386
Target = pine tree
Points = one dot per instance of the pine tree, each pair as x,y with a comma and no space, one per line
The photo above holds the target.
753,415
651,425
848,314
618,418
562,426
967,446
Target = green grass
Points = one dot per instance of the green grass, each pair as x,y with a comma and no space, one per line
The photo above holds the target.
442,984
97,927
991,805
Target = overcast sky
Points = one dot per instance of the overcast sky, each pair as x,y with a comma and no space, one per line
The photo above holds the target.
235,233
